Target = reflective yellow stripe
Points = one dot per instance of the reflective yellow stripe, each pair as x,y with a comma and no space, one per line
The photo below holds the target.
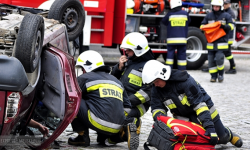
213,134
140,97
231,25
210,47
214,114
126,114
105,85
178,124
140,109
230,42
169,62
213,70
223,47
220,67
201,25
79,59
157,112
101,127
176,41
182,62
172,106
99,64
134,79
202,109
129,43
230,57
185,101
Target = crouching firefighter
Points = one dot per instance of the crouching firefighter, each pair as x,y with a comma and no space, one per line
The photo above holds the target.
187,100
102,107
129,70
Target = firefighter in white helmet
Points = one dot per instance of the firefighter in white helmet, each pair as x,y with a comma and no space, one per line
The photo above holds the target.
177,21
128,71
103,103
216,48
178,91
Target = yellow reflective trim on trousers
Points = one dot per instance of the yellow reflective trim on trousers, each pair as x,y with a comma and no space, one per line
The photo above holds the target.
210,47
178,124
157,112
185,101
140,109
223,47
99,64
101,127
213,71
129,43
140,97
169,62
134,79
230,42
177,41
182,64
202,109
172,106
220,68
230,57
214,114
231,25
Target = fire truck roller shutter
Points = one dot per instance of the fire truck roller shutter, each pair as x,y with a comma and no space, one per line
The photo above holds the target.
71,13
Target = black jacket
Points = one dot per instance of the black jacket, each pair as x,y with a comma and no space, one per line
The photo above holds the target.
184,97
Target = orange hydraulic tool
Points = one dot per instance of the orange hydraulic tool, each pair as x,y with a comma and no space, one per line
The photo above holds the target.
143,6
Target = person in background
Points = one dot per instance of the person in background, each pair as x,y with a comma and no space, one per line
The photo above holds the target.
177,21
216,48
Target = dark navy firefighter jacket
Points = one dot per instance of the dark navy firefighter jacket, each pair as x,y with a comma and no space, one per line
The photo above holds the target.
106,99
185,98
177,21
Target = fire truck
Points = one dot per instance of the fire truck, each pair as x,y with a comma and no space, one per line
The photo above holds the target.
108,21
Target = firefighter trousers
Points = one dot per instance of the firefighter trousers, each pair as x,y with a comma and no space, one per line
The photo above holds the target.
181,56
216,63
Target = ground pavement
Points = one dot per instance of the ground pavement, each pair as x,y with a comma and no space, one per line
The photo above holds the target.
231,98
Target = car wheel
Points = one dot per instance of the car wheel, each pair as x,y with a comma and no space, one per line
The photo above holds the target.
29,42
71,13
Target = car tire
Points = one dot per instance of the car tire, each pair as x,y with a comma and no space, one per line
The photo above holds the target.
29,42
71,13
196,41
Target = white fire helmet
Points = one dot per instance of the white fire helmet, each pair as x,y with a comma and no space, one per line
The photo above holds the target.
89,60
137,42
175,3
153,70
217,3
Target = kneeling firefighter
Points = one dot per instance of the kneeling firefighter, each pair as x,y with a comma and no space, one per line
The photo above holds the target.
187,100
103,103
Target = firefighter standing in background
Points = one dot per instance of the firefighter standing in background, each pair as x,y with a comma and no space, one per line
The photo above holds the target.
177,22
228,54
187,100
215,49
129,70
102,106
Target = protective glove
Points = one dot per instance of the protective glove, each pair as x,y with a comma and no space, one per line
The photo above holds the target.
213,136
222,26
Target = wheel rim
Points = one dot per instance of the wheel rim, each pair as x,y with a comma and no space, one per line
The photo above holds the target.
37,48
70,18
194,43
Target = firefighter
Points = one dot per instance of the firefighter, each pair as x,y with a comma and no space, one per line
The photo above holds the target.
102,106
215,49
228,54
129,69
187,100
177,22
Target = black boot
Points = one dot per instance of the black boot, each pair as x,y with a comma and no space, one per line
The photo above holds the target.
81,140
132,130
220,77
235,139
205,69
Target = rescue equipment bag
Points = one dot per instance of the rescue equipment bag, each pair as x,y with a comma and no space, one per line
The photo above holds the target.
174,134
213,31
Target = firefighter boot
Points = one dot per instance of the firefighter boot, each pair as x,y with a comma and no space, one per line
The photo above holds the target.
220,78
81,140
236,140
133,131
